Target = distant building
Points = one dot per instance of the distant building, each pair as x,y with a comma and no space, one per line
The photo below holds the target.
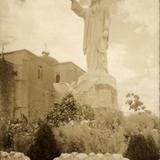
34,80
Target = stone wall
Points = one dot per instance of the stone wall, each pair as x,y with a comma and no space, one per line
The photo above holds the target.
91,156
67,72
34,93
7,88
33,84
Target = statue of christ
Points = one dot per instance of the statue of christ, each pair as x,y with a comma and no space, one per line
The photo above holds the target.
96,33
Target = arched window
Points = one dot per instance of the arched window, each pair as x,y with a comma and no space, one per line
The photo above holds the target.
40,72
58,78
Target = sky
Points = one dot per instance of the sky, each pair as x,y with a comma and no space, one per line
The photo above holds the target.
133,54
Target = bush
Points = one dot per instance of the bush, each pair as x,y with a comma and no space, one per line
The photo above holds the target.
87,112
70,138
44,146
6,142
101,133
22,143
65,112
109,118
141,148
144,124
140,123
82,138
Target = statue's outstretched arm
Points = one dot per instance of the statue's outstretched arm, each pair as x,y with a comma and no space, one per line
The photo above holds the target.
80,11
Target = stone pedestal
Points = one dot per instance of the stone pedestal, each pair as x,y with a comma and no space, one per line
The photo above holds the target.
97,90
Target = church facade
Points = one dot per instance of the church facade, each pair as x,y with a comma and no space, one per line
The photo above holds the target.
34,78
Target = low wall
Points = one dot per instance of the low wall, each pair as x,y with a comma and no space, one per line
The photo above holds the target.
12,156
91,156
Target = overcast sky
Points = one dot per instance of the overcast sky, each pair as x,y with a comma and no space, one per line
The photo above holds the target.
133,53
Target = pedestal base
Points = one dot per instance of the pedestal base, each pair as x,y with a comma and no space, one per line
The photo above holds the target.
96,90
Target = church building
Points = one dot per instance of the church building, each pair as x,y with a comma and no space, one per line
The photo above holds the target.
34,76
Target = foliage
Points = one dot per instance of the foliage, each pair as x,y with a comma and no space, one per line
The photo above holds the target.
70,138
16,134
109,118
112,121
44,146
22,143
22,133
91,137
5,138
69,109
140,123
141,148
145,124
87,113
135,104
79,137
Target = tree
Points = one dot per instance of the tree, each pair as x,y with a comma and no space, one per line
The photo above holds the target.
141,148
135,104
68,110
44,146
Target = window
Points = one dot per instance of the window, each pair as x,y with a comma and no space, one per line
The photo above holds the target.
58,78
40,72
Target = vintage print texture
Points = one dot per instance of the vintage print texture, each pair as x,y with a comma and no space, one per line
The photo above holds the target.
87,66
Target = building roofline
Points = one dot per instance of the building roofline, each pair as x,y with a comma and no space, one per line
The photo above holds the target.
70,62
20,50
28,52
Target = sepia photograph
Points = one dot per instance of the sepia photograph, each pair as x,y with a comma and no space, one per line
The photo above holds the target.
79,80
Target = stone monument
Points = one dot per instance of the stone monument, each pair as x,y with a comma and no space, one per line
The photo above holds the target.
96,87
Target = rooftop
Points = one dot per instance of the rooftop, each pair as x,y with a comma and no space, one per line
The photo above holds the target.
48,59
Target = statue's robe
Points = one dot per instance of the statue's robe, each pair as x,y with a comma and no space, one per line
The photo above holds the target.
94,45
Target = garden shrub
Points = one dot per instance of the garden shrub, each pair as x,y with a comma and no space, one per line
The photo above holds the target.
6,141
69,110
64,112
108,118
44,146
22,143
145,124
70,138
140,123
141,148
87,112
21,133
87,139
101,134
